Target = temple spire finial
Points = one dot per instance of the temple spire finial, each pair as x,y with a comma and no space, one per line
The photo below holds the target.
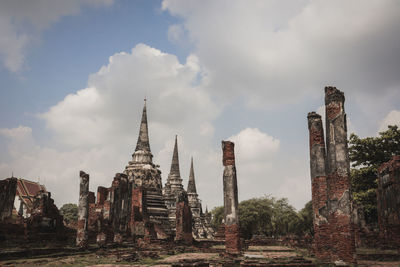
143,139
192,184
175,159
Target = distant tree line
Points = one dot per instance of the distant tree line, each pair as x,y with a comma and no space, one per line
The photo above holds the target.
270,217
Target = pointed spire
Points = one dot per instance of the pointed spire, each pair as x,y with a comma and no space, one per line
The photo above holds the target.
175,160
143,139
206,209
192,184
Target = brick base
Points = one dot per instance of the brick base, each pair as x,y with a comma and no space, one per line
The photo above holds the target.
232,239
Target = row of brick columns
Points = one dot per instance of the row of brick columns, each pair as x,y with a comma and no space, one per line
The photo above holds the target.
334,238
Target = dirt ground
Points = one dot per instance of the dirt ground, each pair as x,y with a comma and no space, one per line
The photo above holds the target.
131,257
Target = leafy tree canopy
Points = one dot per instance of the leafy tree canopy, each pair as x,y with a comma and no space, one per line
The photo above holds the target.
70,212
269,216
367,154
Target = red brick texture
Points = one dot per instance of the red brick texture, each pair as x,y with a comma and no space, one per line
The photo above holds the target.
232,239
183,220
228,157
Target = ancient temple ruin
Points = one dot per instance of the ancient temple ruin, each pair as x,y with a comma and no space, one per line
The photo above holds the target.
331,189
173,187
201,221
137,206
143,173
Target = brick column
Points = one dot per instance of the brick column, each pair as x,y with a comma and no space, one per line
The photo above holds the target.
231,205
8,189
321,242
120,206
83,211
338,171
183,220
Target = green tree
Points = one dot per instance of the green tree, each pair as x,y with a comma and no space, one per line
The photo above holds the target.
217,214
255,216
305,225
70,212
284,218
269,216
366,155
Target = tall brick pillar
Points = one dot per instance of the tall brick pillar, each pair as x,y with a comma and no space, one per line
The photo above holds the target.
120,198
321,242
338,172
83,211
231,205
183,219
8,189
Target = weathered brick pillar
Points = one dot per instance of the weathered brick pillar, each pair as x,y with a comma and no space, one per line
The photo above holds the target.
231,205
8,189
120,206
183,220
321,242
338,171
102,194
83,211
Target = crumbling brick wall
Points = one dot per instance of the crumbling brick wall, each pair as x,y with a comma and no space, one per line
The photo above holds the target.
8,189
45,215
139,223
183,219
388,197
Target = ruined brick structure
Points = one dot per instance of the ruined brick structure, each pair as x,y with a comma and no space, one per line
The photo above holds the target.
28,212
330,174
231,204
83,211
220,234
133,207
120,205
173,187
201,221
388,196
8,189
183,219
142,172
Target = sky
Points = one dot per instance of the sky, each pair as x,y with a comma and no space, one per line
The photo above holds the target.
74,75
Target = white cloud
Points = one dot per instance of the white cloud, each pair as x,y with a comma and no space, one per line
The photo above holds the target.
21,132
392,118
256,155
276,52
96,128
252,145
21,22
